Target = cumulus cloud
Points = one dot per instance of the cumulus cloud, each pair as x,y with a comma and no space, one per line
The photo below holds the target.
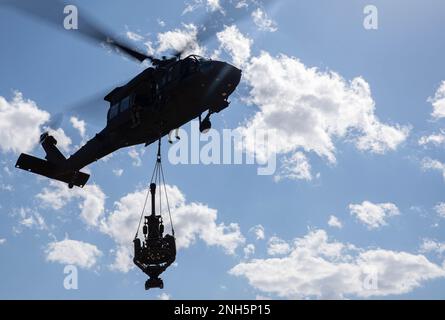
435,165
319,268
123,260
373,215
277,246
134,36
429,245
63,141
210,5
74,252
263,22
118,172
6,187
20,124
295,167
164,296
249,250
214,5
440,209
79,125
235,44
161,22
29,218
307,109
334,222
136,156
192,221
180,39
92,206
258,231
438,102
434,139
2,241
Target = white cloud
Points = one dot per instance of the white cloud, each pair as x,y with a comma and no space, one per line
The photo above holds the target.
277,246
118,172
92,206
258,230
164,296
373,215
319,268
161,22
6,187
242,4
134,36
211,5
191,220
263,22
79,125
334,222
2,241
438,102
214,5
20,124
434,139
123,260
440,209
63,141
436,165
74,252
429,245
235,44
29,218
136,156
180,39
305,108
295,167
249,250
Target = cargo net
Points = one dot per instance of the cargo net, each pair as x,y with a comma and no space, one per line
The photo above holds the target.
154,253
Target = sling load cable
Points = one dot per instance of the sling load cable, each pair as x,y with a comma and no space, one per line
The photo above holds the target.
158,252
157,169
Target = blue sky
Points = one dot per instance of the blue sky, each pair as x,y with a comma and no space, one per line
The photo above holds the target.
368,161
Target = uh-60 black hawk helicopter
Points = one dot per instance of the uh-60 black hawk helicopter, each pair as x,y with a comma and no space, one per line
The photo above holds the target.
163,97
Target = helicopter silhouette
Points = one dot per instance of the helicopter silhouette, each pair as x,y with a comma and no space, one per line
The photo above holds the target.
163,97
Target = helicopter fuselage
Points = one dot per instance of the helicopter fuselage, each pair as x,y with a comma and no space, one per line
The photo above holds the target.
157,101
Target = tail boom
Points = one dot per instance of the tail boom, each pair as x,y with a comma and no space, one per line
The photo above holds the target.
49,170
54,167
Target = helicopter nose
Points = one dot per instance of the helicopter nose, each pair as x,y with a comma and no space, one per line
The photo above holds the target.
229,77
234,76
222,79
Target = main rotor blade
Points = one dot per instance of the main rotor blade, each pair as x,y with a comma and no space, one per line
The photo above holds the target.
52,13
92,109
229,14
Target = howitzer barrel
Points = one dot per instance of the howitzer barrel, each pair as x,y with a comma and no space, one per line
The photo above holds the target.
153,198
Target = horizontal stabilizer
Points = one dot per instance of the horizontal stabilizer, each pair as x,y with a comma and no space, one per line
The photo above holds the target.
48,169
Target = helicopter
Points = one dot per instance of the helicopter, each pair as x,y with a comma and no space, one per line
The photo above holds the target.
165,96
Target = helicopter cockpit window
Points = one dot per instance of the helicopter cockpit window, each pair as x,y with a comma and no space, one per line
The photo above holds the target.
114,110
125,104
198,58
189,65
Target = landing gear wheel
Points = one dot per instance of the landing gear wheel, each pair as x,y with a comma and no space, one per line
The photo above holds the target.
205,125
